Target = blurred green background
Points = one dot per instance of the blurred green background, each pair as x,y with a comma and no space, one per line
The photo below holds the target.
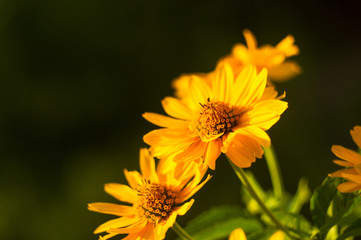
77,75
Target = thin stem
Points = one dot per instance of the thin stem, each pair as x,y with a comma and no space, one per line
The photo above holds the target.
181,232
275,172
243,178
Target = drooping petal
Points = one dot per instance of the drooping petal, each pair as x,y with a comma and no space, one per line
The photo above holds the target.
164,121
184,208
136,227
121,192
239,155
111,208
212,153
190,190
347,187
116,223
343,163
346,154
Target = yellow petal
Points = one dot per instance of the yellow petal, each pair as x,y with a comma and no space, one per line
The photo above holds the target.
121,192
212,153
176,108
351,175
164,121
107,236
193,152
242,85
284,71
253,87
250,39
147,165
347,187
116,223
346,154
185,207
337,173
240,157
148,232
343,163
223,83
111,208
356,135
199,91
266,113
240,52
137,227
133,177
286,46
279,235
255,133
237,234
358,168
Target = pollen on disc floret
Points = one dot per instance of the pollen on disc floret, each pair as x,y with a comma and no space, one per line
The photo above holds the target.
156,202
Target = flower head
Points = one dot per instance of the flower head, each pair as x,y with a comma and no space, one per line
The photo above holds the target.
352,161
238,234
267,56
229,115
153,200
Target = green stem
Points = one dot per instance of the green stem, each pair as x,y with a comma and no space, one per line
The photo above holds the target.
243,178
181,232
275,172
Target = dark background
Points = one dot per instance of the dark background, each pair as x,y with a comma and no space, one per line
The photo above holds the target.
76,76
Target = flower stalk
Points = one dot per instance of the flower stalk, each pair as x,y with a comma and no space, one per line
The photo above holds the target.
275,172
243,178
181,232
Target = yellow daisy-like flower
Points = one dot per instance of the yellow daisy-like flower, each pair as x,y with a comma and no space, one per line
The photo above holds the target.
154,199
238,234
267,56
352,161
230,115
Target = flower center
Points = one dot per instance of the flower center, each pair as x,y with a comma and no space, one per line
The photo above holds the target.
217,118
156,202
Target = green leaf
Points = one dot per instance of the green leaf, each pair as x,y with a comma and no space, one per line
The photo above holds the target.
267,197
353,212
352,231
261,235
301,197
321,200
293,222
219,222
329,207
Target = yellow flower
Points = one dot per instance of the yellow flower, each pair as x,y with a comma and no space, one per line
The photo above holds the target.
238,234
267,56
229,115
352,161
153,200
